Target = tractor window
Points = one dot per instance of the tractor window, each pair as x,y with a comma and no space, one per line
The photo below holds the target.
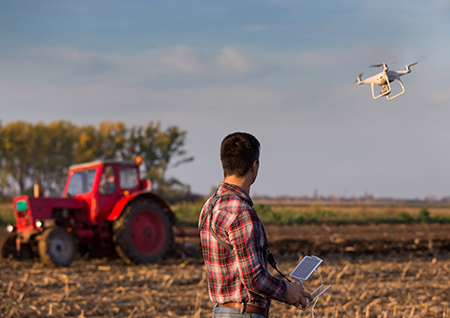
108,181
128,178
81,182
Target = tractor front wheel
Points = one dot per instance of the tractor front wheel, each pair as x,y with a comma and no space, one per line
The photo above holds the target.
143,233
8,245
56,247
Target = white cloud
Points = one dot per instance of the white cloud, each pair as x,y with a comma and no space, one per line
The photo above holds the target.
183,59
232,61
181,65
193,62
46,63
49,78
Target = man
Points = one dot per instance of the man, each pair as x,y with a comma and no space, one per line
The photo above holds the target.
234,242
107,183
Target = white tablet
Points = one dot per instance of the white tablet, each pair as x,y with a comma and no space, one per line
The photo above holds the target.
306,267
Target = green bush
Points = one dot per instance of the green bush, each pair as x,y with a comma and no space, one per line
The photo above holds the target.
299,219
324,215
4,221
404,217
6,215
424,216
441,219
266,213
187,213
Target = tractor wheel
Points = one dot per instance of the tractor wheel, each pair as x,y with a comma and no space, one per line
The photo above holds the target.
57,247
143,233
26,252
8,245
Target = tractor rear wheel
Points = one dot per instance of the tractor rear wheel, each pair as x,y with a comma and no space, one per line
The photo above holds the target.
57,247
143,233
8,245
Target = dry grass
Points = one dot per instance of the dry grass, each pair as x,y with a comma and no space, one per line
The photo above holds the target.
408,288
378,288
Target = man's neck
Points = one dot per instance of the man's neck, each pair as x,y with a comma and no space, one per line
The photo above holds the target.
243,183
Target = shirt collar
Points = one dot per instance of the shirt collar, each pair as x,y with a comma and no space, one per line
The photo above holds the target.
227,187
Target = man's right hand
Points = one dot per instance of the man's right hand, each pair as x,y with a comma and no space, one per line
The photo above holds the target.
296,295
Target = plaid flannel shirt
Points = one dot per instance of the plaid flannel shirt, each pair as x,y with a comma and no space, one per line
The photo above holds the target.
240,274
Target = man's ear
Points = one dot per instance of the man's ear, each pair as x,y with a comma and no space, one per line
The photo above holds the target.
255,165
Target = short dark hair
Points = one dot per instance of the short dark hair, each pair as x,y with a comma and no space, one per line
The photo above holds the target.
238,151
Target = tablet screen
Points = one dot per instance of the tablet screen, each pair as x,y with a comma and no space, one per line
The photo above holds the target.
306,267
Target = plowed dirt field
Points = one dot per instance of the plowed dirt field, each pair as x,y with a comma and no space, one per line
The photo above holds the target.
375,271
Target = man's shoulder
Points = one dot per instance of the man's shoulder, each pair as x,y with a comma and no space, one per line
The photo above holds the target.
232,192
233,202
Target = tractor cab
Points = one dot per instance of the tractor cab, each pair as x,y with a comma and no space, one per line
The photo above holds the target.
102,184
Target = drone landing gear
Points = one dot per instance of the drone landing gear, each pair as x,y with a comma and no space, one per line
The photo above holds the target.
387,90
384,92
395,96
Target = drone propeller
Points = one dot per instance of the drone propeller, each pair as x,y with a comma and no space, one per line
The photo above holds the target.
358,79
412,64
379,65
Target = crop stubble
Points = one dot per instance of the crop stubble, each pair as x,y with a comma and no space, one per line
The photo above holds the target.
400,283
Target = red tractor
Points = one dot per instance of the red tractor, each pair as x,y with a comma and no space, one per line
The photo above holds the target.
105,209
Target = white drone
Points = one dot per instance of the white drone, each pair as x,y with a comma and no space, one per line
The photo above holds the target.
384,78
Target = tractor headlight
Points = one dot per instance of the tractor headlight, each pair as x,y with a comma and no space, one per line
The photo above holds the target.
10,228
38,223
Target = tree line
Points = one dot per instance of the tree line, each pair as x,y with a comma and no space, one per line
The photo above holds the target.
28,149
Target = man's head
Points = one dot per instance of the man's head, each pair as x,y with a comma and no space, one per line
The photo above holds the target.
238,152
109,171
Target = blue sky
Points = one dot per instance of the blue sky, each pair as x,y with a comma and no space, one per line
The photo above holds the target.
282,70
